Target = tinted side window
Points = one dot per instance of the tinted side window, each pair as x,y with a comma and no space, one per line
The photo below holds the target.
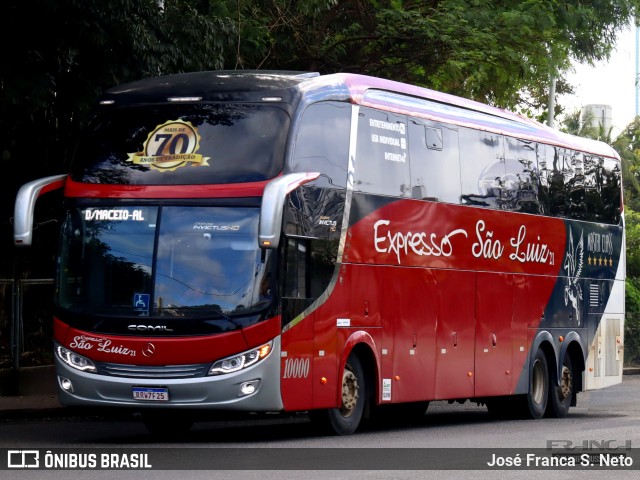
576,187
566,183
580,186
593,181
522,178
322,143
611,184
294,275
435,166
542,177
324,254
556,176
382,160
482,168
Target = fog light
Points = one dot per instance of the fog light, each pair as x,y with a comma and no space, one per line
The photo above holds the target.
65,384
247,388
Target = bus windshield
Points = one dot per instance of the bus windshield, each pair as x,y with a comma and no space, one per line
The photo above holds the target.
182,145
176,261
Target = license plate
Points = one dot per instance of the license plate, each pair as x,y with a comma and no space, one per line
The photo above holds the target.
151,394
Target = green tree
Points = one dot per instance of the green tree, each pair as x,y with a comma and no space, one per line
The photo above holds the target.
632,297
498,52
577,124
50,80
627,144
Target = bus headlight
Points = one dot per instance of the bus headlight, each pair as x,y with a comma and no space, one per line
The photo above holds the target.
74,360
240,361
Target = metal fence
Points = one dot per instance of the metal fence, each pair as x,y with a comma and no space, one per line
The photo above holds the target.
26,322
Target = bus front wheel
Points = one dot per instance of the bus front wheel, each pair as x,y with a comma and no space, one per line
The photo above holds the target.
345,419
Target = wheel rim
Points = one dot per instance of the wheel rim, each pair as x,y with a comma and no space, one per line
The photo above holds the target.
566,384
537,382
349,393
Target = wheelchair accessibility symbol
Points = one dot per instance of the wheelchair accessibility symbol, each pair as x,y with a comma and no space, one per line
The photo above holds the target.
141,302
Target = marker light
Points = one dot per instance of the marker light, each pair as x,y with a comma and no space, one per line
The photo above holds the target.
74,360
240,361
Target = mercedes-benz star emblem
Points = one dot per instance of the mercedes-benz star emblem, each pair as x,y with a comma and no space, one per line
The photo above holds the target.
149,349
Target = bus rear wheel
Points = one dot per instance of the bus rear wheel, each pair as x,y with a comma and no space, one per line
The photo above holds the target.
537,398
345,419
560,396
530,405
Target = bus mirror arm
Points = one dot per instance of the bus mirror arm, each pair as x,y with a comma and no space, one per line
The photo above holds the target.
272,208
25,206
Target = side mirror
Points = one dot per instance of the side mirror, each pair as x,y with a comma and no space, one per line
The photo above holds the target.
272,207
25,206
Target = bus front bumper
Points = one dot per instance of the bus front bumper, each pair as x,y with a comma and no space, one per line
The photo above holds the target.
254,389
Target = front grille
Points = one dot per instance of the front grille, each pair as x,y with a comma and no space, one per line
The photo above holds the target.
164,371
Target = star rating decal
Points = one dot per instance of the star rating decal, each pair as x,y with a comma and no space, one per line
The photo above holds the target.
599,261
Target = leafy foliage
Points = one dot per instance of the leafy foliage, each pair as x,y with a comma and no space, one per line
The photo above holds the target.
50,81
628,146
498,52
632,323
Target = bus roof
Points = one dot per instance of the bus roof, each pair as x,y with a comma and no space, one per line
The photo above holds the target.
208,86
438,106
291,86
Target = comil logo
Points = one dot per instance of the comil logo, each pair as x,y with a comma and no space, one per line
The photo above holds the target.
23,459
149,328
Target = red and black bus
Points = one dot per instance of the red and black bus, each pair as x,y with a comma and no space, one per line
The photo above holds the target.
287,241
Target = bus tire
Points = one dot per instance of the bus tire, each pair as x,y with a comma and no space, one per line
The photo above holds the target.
560,396
537,397
345,419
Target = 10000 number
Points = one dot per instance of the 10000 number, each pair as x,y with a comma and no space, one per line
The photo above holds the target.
296,368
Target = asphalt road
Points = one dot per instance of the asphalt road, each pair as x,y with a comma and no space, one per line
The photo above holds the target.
452,438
